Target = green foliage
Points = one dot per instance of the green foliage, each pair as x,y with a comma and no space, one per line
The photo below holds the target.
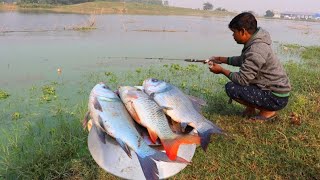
207,6
269,13
312,53
221,9
35,3
3,94
48,3
155,2
16,116
49,93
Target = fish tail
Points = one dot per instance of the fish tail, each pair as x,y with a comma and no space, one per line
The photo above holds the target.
171,146
86,120
205,133
149,167
161,156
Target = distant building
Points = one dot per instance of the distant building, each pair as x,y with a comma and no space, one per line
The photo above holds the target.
276,14
196,4
165,2
297,15
317,16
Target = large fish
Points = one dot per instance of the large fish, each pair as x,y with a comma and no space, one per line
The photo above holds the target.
110,117
180,108
149,114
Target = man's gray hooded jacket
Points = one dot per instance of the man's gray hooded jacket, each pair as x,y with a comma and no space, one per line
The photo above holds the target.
260,66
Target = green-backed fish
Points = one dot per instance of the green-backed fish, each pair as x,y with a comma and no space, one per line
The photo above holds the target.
149,114
110,117
180,108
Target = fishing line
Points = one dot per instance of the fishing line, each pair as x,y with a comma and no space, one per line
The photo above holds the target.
160,58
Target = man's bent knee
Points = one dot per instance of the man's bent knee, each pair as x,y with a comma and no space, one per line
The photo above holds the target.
230,89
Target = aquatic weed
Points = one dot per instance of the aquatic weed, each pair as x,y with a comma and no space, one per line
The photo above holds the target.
16,116
138,70
108,73
3,94
48,92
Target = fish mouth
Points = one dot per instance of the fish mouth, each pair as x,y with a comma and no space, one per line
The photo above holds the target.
117,92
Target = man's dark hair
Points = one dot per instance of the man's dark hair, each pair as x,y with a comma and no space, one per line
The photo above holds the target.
244,20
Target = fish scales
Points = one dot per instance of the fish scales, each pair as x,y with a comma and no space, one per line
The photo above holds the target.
184,110
150,115
180,108
110,117
153,114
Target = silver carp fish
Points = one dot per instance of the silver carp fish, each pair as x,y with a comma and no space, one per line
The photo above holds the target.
149,114
110,117
180,108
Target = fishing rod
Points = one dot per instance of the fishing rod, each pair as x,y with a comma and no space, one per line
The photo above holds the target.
162,58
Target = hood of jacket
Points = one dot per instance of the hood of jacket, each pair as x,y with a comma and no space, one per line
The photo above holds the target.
261,36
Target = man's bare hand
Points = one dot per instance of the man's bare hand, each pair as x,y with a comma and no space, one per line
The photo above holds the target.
216,59
215,68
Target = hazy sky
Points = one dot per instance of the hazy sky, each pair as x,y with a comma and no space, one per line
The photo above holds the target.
259,6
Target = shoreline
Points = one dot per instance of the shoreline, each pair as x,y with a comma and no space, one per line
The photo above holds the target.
98,8
101,7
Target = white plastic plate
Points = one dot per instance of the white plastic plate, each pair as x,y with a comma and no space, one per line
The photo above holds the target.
114,160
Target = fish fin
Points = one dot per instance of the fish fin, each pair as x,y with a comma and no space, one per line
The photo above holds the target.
183,126
89,125
151,96
85,120
145,135
165,108
153,135
161,156
101,123
139,88
101,134
124,146
134,113
148,140
149,167
171,146
206,132
197,103
96,104
196,100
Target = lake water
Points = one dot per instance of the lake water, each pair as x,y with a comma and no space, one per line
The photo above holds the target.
34,45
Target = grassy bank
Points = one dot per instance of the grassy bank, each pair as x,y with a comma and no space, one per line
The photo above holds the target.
111,8
42,138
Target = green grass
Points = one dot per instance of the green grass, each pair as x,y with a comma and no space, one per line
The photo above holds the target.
43,139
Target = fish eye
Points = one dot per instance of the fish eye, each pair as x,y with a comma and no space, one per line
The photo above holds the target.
104,87
154,80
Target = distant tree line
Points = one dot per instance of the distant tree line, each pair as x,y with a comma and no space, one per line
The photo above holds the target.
207,6
158,2
64,2
269,13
